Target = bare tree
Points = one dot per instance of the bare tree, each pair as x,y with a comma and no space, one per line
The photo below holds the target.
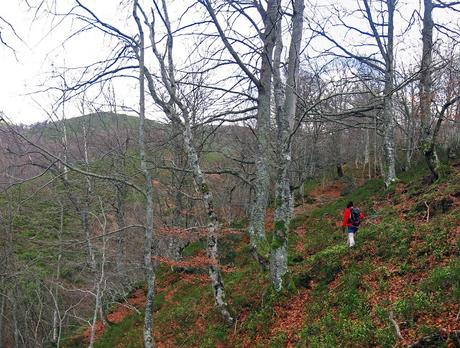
263,83
148,263
178,112
100,279
429,133
285,115
379,16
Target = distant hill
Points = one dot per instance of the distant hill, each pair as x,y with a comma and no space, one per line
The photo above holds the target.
99,121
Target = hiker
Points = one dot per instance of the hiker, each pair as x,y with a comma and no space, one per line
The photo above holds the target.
351,219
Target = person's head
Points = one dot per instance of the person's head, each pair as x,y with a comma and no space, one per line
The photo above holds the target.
350,204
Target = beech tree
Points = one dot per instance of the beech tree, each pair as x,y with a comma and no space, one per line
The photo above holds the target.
263,82
178,112
379,35
430,133
285,102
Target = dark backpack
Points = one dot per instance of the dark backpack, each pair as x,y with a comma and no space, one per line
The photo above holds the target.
355,216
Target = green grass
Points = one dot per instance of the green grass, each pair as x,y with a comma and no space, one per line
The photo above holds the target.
333,312
342,284
444,281
128,333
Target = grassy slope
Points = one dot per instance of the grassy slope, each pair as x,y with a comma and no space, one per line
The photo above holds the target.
402,264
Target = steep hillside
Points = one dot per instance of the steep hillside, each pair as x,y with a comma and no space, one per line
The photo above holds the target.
403,274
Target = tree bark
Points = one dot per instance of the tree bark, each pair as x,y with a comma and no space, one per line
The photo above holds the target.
367,159
285,113
120,240
86,205
56,315
256,230
148,238
99,282
388,110
426,86
16,333
213,224
168,78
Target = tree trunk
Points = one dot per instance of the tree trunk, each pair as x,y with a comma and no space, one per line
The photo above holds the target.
376,151
367,158
409,136
168,79
56,316
426,86
388,117
86,205
178,179
213,224
15,324
120,240
148,238
99,283
256,230
285,113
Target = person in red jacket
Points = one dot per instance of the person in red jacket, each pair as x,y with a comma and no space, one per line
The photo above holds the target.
351,219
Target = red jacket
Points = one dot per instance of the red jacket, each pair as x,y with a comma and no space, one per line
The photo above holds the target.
346,218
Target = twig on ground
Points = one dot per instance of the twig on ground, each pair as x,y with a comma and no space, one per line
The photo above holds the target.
395,324
234,330
427,212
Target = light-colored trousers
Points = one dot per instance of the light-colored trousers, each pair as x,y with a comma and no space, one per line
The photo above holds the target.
351,239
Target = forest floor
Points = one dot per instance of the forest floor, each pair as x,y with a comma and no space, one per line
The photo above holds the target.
403,273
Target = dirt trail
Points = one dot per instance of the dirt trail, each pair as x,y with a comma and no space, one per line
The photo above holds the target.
290,316
326,194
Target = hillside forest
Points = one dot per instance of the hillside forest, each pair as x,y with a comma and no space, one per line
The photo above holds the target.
187,188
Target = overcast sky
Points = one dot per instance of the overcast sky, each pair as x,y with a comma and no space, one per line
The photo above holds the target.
40,49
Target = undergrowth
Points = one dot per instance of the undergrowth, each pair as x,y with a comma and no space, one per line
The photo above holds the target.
403,265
